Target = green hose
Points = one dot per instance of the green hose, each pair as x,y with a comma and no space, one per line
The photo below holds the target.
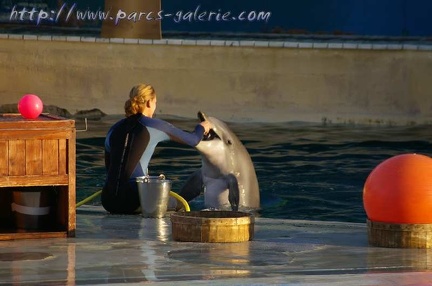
172,194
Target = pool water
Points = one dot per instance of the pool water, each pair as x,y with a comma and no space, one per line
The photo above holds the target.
305,171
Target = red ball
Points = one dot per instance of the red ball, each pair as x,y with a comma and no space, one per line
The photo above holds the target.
399,190
30,106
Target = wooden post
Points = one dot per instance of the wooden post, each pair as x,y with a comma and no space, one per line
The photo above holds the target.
398,235
212,226
132,19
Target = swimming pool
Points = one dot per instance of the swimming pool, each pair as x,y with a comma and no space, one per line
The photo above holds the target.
305,171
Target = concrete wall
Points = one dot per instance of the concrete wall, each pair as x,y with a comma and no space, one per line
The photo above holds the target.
259,81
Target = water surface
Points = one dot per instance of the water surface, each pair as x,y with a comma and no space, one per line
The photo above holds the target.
305,171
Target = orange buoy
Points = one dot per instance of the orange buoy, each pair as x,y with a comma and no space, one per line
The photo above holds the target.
399,190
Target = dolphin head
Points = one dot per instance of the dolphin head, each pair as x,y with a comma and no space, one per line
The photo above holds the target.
219,147
219,132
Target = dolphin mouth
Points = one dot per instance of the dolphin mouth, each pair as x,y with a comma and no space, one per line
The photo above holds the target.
212,134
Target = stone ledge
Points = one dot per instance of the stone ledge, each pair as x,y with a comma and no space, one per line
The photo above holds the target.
295,43
91,114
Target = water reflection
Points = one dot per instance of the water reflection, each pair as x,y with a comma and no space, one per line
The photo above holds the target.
154,229
228,260
379,259
71,254
151,229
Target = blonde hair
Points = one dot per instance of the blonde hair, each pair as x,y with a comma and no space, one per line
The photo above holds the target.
138,97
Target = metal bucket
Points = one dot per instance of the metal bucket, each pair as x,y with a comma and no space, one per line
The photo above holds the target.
154,195
32,209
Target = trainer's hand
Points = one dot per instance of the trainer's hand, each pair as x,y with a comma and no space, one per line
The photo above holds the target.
207,126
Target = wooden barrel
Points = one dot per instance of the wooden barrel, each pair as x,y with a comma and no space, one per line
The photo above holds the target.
399,235
132,19
212,226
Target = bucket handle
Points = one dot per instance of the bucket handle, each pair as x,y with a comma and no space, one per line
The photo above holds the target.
146,178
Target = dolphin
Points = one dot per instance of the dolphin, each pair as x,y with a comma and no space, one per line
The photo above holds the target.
227,175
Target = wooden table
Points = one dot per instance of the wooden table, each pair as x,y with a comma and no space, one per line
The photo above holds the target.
38,154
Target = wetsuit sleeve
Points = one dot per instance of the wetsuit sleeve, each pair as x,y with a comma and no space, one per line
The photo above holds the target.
176,134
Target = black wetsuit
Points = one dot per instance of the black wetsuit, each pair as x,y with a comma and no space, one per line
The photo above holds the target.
129,146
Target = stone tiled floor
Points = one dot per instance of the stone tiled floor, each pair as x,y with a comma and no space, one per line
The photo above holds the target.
114,249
